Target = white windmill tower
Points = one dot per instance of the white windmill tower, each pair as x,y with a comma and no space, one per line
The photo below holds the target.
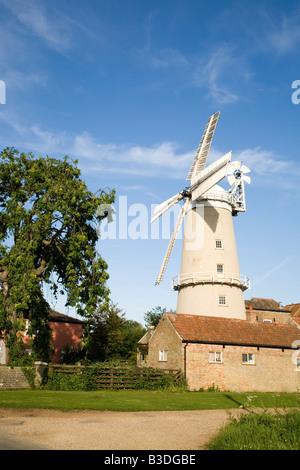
209,282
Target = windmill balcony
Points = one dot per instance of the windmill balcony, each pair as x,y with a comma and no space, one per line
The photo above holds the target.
186,279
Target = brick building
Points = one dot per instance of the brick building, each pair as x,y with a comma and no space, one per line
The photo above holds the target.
267,311
65,330
257,354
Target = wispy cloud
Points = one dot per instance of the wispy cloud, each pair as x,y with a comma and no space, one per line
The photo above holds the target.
271,271
271,171
52,28
161,58
131,159
161,160
212,74
164,159
283,34
265,162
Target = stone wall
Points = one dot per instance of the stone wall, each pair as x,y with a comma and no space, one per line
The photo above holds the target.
12,378
165,338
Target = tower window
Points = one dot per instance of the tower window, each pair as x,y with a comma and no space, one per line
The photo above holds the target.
219,244
222,300
220,268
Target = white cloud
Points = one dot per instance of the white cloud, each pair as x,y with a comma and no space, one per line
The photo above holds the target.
164,159
52,28
271,171
284,35
131,159
265,162
222,72
161,59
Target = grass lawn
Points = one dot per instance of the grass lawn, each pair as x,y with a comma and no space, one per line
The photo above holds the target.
143,400
262,431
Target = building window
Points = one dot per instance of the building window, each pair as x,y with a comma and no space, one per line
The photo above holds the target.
215,356
163,355
248,358
222,300
298,363
220,268
219,244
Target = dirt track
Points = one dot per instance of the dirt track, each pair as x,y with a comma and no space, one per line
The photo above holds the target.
106,430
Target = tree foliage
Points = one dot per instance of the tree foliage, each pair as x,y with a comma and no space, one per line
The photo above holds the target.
48,235
111,336
153,316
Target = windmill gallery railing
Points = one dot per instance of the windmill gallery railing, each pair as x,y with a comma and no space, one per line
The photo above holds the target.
239,280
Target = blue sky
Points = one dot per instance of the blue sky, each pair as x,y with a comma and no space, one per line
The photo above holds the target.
126,87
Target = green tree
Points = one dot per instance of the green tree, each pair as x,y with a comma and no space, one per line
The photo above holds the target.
48,235
103,333
111,336
131,332
153,316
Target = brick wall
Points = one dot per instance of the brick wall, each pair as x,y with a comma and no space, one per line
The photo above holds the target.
65,333
273,369
12,378
254,315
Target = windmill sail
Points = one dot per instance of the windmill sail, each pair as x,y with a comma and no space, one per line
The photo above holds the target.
200,159
202,179
172,241
163,207
210,176
199,184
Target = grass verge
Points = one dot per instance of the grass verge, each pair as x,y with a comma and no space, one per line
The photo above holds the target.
143,400
260,431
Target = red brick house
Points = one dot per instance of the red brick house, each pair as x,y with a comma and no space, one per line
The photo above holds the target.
228,354
65,330
267,311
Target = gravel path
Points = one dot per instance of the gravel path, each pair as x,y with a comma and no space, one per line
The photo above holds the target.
108,430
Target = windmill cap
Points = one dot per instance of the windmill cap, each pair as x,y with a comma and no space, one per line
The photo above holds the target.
216,196
216,191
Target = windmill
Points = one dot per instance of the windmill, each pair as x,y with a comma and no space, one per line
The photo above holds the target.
203,280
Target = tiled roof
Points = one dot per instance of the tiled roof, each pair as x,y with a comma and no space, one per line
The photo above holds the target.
297,320
217,330
264,304
61,317
294,309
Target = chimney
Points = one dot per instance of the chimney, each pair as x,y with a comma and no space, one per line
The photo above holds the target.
251,314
